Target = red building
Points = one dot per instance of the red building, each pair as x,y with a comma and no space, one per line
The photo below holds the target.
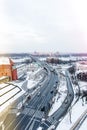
7,68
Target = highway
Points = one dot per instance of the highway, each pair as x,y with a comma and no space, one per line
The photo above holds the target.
34,112
57,116
37,102
36,108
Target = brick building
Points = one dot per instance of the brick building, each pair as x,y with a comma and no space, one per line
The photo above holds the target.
7,68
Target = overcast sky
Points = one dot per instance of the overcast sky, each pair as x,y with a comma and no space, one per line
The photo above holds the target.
43,25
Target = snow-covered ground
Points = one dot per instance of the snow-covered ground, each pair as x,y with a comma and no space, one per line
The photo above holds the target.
59,98
72,116
33,78
83,85
28,83
76,112
42,58
84,125
2,85
20,60
9,95
40,128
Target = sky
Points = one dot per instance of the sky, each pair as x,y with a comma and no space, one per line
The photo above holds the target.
43,25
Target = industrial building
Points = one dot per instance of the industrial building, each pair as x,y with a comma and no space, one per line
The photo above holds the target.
81,68
82,65
7,68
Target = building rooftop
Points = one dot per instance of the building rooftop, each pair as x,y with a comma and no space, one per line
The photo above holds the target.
6,61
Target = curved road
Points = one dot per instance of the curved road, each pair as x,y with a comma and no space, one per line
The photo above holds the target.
37,108
56,117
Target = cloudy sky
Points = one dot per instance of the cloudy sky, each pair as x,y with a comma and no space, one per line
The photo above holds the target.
43,25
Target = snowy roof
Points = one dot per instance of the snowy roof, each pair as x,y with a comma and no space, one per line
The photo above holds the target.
3,77
84,63
81,71
5,61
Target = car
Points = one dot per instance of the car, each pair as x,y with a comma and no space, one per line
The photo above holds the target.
52,127
38,94
66,101
56,81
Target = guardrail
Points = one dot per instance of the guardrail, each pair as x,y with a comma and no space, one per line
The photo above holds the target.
80,120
